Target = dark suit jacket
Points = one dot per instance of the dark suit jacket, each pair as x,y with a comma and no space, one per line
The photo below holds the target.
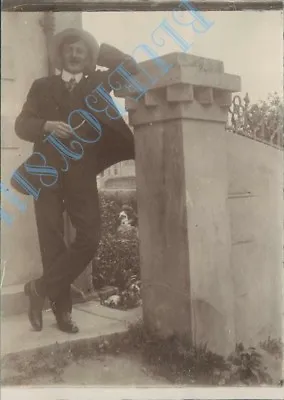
48,99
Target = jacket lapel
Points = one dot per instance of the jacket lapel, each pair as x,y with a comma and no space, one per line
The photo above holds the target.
62,98
65,103
57,91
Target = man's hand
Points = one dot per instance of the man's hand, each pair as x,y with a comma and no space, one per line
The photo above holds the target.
60,129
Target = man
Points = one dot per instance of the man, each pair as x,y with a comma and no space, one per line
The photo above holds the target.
49,103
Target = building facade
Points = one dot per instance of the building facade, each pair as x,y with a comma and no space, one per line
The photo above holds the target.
120,172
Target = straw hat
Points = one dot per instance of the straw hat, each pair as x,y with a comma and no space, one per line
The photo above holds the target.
58,39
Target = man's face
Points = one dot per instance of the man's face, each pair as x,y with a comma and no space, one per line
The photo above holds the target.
75,57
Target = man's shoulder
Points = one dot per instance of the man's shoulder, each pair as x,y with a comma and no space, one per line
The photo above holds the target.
44,81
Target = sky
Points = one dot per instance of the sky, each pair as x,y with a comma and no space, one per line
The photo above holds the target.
250,43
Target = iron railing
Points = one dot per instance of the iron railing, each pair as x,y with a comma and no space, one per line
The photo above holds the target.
261,122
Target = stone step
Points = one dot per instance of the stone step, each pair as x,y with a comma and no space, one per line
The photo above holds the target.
19,343
14,301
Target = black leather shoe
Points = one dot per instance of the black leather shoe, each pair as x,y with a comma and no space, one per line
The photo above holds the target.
36,303
65,323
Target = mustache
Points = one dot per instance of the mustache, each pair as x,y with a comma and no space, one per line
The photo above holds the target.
74,60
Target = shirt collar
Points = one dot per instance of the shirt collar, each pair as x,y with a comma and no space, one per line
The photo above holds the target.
66,76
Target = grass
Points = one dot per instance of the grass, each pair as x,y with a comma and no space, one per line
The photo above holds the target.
175,359
183,363
273,347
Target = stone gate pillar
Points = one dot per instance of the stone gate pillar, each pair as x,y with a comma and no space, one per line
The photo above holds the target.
182,190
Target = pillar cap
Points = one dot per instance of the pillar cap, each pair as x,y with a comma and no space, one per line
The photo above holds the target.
186,68
193,88
190,60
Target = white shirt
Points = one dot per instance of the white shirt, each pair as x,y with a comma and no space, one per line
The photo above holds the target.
66,76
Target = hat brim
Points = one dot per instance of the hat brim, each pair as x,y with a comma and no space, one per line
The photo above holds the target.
54,50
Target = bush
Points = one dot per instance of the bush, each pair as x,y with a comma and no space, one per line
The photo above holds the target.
117,260
110,208
267,116
263,119
183,362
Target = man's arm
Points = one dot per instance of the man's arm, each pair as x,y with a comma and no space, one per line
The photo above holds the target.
110,57
29,125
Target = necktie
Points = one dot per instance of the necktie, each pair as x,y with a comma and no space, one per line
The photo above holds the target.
70,85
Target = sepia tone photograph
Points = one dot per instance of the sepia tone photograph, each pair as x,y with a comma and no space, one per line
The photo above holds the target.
142,198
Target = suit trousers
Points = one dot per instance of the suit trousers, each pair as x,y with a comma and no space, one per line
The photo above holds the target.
77,194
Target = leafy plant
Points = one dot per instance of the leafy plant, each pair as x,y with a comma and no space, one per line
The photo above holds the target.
117,260
183,362
263,119
266,117
272,346
246,366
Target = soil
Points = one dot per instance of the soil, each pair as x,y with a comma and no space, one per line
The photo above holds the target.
102,370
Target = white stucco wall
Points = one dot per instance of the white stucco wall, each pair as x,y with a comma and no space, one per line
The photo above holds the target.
256,212
24,49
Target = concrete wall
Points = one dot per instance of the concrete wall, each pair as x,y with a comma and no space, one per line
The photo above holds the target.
210,205
256,212
24,59
208,224
254,176
64,20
